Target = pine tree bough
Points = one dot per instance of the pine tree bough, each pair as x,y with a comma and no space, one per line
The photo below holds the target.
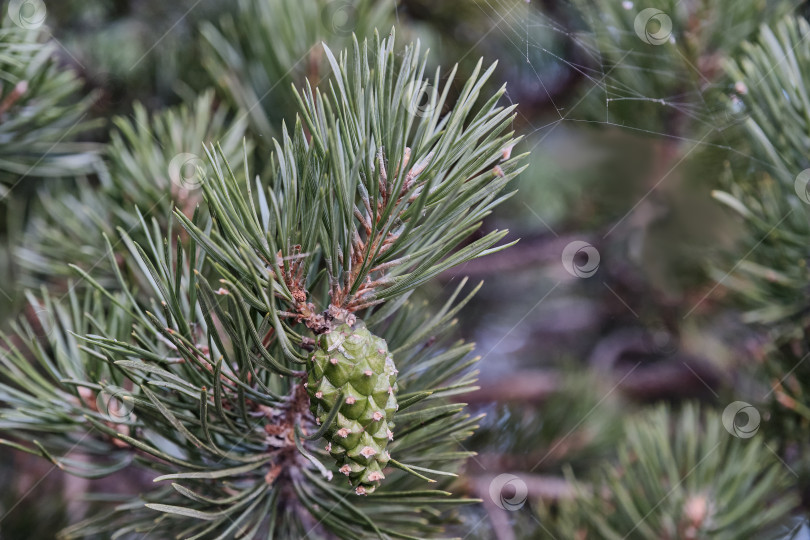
354,366
238,338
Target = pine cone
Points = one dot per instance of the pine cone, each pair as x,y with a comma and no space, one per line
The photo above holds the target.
356,362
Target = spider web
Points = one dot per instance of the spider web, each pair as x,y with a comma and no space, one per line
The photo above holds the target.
619,69
622,82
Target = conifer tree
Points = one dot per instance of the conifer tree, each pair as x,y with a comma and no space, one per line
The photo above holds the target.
772,202
258,50
41,111
737,88
274,327
237,311
42,121
149,166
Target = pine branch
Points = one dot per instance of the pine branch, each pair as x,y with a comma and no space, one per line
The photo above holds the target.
151,165
350,198
209,369
770,279
659,63
52,384
257,52
678,476
41,115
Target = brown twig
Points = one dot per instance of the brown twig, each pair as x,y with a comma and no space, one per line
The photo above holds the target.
16,93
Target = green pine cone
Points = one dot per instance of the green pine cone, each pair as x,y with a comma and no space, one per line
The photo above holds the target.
357,363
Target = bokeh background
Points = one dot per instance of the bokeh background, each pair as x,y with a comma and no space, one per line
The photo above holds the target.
613,299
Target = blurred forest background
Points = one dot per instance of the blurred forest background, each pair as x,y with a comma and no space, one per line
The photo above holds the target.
615,299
